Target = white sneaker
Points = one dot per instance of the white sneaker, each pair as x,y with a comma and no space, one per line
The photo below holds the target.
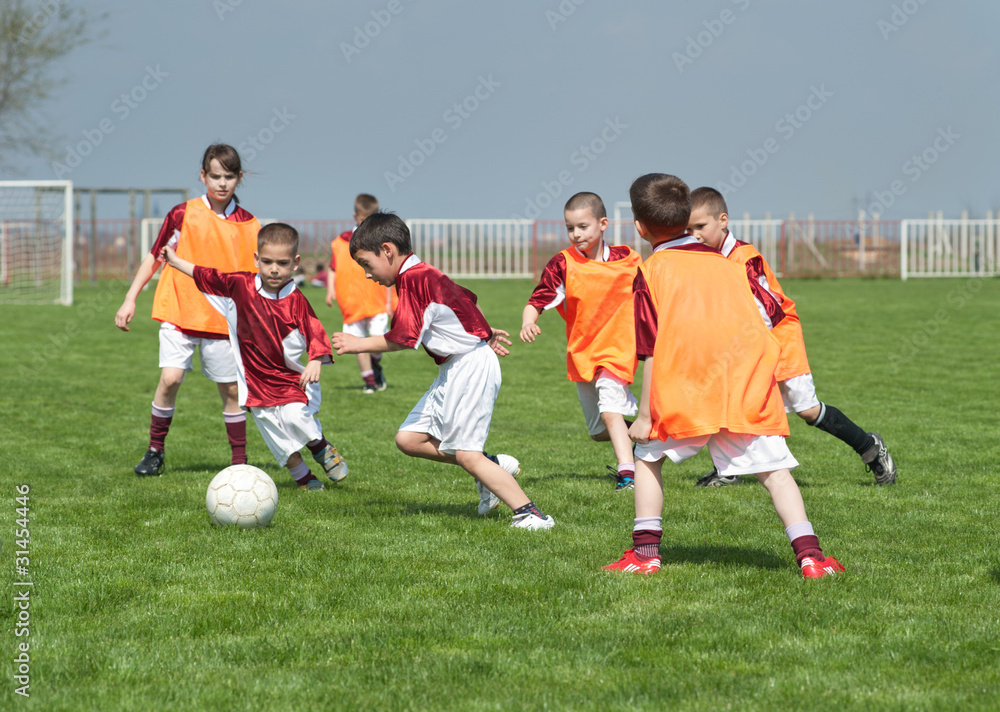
487,500
530,521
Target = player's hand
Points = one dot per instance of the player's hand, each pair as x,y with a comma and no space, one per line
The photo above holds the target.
639,431
529,332
124,315
329,299
310,374
497,341
167,255
342,343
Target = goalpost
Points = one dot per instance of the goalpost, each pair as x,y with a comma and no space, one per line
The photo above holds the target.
36,242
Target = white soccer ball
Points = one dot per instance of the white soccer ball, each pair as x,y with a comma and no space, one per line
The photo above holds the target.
242,495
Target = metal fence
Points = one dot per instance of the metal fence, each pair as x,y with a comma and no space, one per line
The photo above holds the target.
949,248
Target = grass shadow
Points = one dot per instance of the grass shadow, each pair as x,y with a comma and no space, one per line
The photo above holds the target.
725,555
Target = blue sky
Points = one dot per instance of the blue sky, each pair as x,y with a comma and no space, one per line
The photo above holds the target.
447,109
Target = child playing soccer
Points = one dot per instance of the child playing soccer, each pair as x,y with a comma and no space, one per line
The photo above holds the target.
212,230
365,306
451,421
709,223
590,284
271,325
708,378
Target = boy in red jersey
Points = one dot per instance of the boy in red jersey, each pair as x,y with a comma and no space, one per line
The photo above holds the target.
709,223
271,325
590,285
451,421
708,378
365,306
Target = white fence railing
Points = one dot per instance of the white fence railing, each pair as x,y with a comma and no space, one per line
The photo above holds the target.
948,248
475,248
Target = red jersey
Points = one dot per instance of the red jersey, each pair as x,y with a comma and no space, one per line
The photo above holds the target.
435,312
595,299
785,326
269,333
713,357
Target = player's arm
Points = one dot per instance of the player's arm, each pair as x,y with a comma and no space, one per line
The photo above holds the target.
331,286
646,327
145,273
529,323
643,423
181,265
347,344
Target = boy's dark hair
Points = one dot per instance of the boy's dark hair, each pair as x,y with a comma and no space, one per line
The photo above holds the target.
710,199
278,234
587,200
379,228
365,205
661,202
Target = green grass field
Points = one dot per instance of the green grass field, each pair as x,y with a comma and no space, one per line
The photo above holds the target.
389,593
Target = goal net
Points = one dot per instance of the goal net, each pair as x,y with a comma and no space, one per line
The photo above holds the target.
36,242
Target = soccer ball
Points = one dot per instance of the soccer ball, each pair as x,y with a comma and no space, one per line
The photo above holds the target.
242,495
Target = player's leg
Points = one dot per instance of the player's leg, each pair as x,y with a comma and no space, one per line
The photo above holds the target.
614,402
284,429
799,395
367,373
647,527
378,325
423,445
218,364
302,475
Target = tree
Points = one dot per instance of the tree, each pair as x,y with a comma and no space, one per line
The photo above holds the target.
33,37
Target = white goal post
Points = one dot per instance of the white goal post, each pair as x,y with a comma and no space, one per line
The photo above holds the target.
36,242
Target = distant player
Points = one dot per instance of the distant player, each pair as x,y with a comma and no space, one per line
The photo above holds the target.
365,306
590,285
709,223
212,230
451,421
708,378
271,325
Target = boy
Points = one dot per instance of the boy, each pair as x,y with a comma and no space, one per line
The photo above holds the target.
451,421
708,379
365,306
590,284
271,325
709,223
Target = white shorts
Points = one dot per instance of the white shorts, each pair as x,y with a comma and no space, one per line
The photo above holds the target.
458,407
605,394
218,363
372,326
287,428
798,393
732,453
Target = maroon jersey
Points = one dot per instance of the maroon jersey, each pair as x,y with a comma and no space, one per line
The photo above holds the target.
435,312
269,333
551,289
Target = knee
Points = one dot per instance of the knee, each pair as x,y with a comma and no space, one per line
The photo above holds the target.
810,414
171,380
406,443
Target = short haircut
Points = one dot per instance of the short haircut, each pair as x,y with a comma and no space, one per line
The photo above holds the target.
365,205
587,200
661,202
279,234
710,199
379,228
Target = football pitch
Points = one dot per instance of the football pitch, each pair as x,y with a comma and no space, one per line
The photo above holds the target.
388,592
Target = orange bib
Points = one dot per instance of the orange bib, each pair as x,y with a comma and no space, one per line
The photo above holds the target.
357,296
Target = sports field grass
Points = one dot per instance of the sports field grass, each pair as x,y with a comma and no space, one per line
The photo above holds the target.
389,593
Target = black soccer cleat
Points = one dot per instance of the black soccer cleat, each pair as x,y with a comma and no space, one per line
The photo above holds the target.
879,462
151,464
714,479
380,382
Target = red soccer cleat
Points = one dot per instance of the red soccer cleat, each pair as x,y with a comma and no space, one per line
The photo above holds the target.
634,565
814,569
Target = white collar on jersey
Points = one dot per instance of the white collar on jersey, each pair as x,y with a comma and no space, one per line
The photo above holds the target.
230,209
285,291
677,242
408,262
728,245
605,255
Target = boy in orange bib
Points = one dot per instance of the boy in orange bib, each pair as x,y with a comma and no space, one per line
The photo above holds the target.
708,378
590,285
709,223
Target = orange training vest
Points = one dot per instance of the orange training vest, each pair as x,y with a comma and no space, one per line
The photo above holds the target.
357,296
600,330
713,359
209,241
